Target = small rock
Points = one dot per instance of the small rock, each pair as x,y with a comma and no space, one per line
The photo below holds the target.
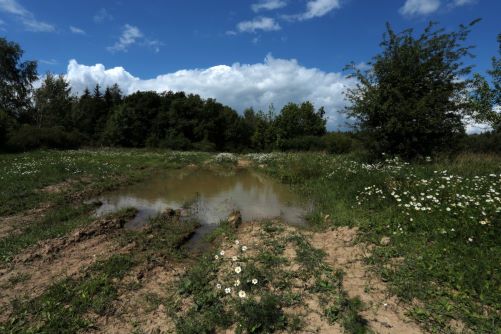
385,241
235,219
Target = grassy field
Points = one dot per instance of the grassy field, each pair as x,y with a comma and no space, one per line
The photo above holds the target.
434,230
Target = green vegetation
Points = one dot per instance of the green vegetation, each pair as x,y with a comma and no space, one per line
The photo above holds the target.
64,307
409,102
442,219
254,290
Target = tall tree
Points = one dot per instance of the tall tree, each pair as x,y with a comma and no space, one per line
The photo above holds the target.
300,120
16,79
53,102
412,99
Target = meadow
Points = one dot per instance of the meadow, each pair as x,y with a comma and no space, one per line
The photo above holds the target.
430,231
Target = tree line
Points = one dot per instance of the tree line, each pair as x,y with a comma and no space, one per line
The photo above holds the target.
411,101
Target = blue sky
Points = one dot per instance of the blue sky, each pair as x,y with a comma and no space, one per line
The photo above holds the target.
241,52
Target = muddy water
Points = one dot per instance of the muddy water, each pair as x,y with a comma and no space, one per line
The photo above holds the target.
208,196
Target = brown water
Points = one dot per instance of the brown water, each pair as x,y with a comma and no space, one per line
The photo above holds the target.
209,197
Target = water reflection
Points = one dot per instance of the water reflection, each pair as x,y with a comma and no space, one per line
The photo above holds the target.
210,197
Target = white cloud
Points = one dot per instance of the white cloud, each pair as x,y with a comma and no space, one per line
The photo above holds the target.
259,23
102,15
315,8
26,17
130,35
268,5
48,61
459,3
77,30
240,86
419,7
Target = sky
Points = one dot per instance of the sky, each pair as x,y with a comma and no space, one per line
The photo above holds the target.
243,53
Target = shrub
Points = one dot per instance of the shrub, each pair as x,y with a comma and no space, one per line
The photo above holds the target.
338,142
303,143
28,138
489,142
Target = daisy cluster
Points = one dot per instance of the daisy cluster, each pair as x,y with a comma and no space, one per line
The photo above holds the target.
232,284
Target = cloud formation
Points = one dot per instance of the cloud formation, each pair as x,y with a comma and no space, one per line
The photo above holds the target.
419,7
259,23
26,17
268,5
130,34
274,81
314,9
425,7
102,15
133,35
77,30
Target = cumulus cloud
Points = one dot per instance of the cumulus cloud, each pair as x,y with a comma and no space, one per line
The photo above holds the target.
130,34
420,7
315,8
274,81
268,5
102,15
259,23
26,17
77,30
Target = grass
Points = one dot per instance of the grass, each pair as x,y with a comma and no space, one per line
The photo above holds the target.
442,218
253,290
64,307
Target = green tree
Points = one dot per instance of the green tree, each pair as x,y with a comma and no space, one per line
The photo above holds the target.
16,79
412,99
300,120
53,102
486,97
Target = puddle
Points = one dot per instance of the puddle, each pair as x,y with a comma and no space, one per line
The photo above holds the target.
209,197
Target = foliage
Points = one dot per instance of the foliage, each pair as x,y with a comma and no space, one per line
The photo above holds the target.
442,217
28,138
410,100
53,102
16,79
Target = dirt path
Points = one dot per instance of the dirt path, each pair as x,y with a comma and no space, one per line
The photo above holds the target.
383,312
38,267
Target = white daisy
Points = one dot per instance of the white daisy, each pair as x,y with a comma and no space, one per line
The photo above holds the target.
238,270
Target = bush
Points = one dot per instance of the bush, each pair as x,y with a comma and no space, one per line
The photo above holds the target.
304,143
28,137
6,125
338,142
489,142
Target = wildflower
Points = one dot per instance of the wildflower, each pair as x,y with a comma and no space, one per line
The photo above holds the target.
470,239
254,281
242,294
244,248
227,290
238,270
237,242
234,258
218,286
484,222
221,253
237,283
216,257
